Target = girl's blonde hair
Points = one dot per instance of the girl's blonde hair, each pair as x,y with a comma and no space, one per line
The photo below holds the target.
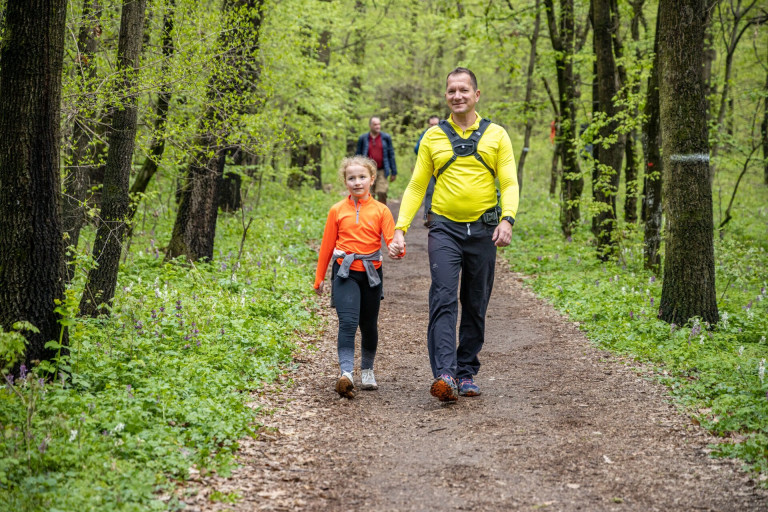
356,160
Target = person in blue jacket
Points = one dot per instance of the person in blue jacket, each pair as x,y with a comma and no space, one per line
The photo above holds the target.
377,146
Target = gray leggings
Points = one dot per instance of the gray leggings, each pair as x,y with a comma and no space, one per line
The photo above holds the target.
357,304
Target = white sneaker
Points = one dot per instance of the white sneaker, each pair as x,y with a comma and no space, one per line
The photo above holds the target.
369,381
345,386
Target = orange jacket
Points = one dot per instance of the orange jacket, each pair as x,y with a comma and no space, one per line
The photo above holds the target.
354,229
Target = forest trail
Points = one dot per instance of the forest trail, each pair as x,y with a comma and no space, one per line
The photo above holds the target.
560,425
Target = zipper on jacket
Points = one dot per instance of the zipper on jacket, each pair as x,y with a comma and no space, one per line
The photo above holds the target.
468,232
357,213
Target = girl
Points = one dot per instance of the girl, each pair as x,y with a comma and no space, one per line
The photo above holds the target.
352,237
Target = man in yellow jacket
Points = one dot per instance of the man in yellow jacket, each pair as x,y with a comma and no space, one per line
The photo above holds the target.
466,225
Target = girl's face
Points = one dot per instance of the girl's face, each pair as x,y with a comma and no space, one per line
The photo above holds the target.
358,181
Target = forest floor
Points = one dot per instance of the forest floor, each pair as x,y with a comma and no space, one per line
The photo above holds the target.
560,424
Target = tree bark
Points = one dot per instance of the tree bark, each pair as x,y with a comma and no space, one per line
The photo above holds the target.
31,243
572,183
689,266
529,115
651,138
610,155
77,178
115,201
235,73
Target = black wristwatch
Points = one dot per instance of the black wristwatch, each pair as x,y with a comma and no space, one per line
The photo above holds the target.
509,219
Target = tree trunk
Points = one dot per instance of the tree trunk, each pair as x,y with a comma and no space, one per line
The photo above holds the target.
572,183
609,157
115,202
32,254
157,145
689,266
76,181
529,113
236,71
229,192
651,138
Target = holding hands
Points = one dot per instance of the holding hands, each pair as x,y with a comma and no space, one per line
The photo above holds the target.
397,246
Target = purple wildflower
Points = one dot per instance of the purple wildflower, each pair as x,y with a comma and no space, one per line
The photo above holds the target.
22,372
631,315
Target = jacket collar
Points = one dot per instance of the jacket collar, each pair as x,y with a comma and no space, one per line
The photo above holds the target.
473,127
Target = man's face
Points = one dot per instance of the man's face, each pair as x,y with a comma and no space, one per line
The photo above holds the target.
460,95
434,121
375,125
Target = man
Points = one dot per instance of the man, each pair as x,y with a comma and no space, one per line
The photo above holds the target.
377,146
433,120
465,230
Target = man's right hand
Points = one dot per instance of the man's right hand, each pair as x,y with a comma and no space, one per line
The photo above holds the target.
397,246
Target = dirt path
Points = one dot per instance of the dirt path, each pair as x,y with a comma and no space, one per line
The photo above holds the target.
560,425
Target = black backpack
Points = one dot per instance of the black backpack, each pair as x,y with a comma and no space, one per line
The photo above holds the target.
464,147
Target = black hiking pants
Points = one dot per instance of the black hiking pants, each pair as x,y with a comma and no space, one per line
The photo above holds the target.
357,305
461,257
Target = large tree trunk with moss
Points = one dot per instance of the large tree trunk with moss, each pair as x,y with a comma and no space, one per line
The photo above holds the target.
77,178
610,155
31,243
235,73
651,137
115,202
572,182
689,264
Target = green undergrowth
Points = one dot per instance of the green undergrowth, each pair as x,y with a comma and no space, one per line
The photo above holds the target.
716,373
162,384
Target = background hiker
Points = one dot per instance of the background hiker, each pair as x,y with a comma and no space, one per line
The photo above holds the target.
377,146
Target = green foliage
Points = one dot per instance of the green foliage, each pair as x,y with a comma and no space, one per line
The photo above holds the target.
162,385
716,372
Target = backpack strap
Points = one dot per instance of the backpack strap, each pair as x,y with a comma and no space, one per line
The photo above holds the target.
464,147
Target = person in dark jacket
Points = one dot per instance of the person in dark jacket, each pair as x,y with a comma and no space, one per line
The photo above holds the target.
377,146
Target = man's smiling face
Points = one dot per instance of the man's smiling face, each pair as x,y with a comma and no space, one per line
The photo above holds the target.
460,95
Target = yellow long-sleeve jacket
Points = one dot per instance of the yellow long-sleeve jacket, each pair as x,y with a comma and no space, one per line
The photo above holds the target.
466,189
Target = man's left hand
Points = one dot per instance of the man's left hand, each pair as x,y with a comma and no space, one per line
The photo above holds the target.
502,235
392,177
